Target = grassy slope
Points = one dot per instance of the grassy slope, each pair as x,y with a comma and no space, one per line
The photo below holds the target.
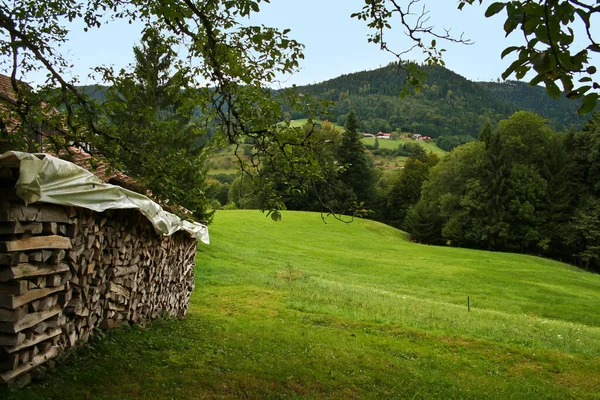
393,144
225,161
302,309
392,163
304,121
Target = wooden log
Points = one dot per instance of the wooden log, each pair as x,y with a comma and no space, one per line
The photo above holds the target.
88,254
57,257
46,254
14,287
116,307
13,315
32,212
12,301
74,306
12,340
36,242
34,306
116,288
26,270
121,271
64,278
40,328
90,241
50,228
74,254
56,321
35,257
9,362
91,267
70,230
24,357
36,361
64,297
48,302
53,280
110,324
13,258
15,227
29,320
39,282
83,312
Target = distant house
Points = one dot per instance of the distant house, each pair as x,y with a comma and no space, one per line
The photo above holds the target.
79,154
368,135
417,136
383,135
10,121
426,139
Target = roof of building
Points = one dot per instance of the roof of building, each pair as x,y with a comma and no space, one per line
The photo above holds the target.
97,164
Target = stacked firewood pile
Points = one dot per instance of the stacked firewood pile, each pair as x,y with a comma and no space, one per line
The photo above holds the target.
66,271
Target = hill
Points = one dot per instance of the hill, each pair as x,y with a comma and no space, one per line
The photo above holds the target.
303,309
448,103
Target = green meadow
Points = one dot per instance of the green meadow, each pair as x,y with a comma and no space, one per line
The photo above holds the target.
393,144
306,309
304,121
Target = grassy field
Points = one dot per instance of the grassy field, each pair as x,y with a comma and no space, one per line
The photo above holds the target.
225,161
392,163
304,121
393,144
301,309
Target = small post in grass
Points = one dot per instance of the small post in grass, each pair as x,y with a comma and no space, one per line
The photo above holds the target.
469,303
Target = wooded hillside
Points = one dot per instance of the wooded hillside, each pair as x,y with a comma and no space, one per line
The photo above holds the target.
447,105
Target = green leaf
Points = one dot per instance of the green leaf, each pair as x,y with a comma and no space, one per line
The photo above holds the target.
494,9
589,103
509,50
536,80
553,89
276,215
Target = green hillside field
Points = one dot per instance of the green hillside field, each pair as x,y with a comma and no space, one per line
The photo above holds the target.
391,163
302,309
393,144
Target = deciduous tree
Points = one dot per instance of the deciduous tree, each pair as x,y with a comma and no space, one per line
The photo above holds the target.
229,66
548,31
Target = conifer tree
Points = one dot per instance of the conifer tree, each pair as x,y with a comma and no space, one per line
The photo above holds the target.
358,172
149,110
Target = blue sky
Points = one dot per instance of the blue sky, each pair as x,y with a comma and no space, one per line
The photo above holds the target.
335,43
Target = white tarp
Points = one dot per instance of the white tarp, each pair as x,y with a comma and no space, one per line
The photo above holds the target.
49,179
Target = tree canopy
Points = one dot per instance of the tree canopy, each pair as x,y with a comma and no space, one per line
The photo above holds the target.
224,66
548,29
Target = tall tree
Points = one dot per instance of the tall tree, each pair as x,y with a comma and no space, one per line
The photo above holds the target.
148,110
406,190
357,174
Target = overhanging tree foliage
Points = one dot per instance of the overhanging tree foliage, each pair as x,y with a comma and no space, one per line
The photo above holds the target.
228,65
548,30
